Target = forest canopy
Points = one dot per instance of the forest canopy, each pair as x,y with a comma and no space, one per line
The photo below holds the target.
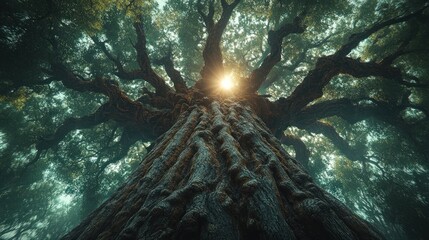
88,86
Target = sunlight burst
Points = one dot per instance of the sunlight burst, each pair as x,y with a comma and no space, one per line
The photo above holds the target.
227,83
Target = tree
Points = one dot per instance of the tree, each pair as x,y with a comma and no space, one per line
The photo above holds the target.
217,165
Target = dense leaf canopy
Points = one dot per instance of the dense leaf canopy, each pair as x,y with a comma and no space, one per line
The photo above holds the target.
350,80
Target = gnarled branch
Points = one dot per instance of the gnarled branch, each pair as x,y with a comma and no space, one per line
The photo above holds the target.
343,145
207,18
329,66
356,38
175,76
126,113
8,86
301,57
128,138
355,111
350,110
71,124
275,39
77,83
121,72
358,110
212,54
302,154
146,71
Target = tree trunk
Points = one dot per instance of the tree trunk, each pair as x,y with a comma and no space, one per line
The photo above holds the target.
219,173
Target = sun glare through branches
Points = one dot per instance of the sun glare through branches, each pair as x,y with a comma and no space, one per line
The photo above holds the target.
227,82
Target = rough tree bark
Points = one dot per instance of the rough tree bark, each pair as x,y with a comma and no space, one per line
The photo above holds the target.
219,173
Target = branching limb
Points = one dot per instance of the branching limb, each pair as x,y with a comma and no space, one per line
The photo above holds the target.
329,66
121,107
175,76
146,72
207,18
33,161
226,14
69,79
275,39
72,124
128,138
123,111
401,49
121,72
102,46
75,82
9,85
292,68
302,154
351,111
355,39
329,131
212,54
359,69
358,110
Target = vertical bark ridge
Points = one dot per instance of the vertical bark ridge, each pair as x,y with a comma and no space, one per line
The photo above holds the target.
302,191
151,223
251,135
98,225
219,173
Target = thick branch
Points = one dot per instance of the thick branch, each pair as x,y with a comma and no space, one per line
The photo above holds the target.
122,110
130,114
355,111
128,138
207,18
329,131
355,39
146,71
312,85
275,39
226,14
11,85
121,72
212,54
302,154
109,55
72,124
351,111
359,69
75,82
329,66
175,76
401,49
292,67
358,110
122,107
